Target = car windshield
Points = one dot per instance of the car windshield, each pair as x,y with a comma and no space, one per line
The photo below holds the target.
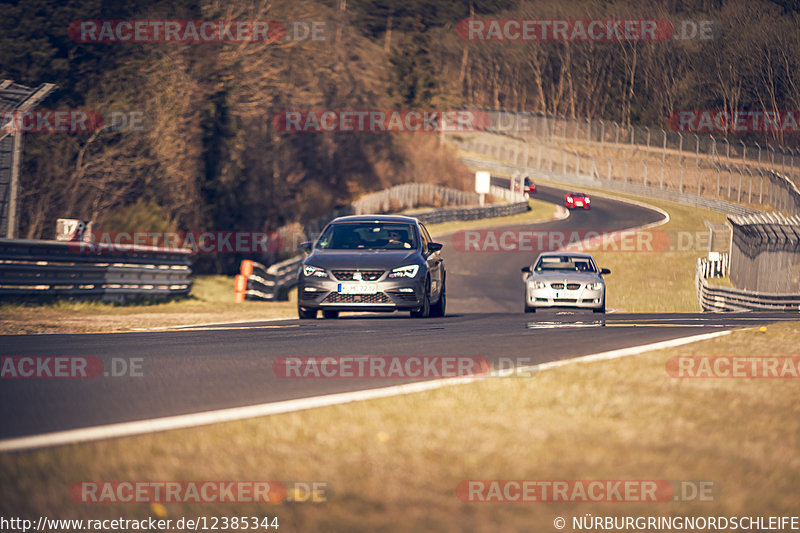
368,236
565,262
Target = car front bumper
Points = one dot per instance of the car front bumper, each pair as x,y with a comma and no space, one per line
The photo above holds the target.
391,295
581,298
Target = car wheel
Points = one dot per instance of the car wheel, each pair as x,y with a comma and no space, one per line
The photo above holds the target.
425,310
330,313
529,309
602,308
440,308
306,314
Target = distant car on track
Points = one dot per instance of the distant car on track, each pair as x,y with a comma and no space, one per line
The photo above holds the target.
372,263
565,279
577,199
529,186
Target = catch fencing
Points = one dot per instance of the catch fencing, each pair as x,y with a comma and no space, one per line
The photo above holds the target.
654,158
765,253
716,298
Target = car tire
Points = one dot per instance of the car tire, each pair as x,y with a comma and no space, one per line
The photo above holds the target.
425,310
529,309
306,314
602,308
440,308
330,313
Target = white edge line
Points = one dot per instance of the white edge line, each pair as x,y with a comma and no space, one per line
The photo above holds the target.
126,429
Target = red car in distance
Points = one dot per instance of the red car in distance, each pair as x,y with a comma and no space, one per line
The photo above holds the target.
577,199
528,187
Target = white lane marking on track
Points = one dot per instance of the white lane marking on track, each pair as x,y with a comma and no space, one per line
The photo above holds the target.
126,429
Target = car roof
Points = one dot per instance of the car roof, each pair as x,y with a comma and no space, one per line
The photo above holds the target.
578,194
581,255
375,218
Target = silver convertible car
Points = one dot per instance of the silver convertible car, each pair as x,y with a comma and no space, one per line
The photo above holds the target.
565,279
372,263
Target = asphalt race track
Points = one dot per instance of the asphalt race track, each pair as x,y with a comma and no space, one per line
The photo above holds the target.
205,368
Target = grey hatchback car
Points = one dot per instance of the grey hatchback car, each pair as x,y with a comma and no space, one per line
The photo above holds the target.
372,263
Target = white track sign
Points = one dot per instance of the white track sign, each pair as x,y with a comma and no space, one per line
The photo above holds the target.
482,182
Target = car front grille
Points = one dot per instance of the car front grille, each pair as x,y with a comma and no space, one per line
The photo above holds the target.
366,275
557,285
573,286
337,298
565,300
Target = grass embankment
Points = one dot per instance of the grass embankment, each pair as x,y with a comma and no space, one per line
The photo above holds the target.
394,464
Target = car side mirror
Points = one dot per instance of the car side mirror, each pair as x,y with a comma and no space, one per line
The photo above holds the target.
306,246
434,246
526,269
605,271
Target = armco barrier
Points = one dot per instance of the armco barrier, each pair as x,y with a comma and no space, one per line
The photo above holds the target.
37,269
713,298
257,282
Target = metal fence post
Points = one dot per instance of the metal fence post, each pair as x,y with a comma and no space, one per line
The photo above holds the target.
771,156
713,159
741,171
680,161
644,179
728,165
663,160
602,134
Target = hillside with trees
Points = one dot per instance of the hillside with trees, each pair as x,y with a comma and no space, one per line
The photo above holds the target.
210,157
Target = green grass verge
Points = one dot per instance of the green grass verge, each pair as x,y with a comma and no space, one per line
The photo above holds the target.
211,301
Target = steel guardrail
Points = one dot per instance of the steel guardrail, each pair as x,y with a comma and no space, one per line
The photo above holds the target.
32,269
715,299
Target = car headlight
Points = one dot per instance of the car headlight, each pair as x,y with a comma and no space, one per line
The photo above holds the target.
538,284
408,271
309,270
596,286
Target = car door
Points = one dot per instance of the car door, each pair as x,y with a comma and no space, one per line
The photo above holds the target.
435,263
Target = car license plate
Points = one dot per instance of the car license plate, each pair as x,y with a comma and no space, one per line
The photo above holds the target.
578,203
358,288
